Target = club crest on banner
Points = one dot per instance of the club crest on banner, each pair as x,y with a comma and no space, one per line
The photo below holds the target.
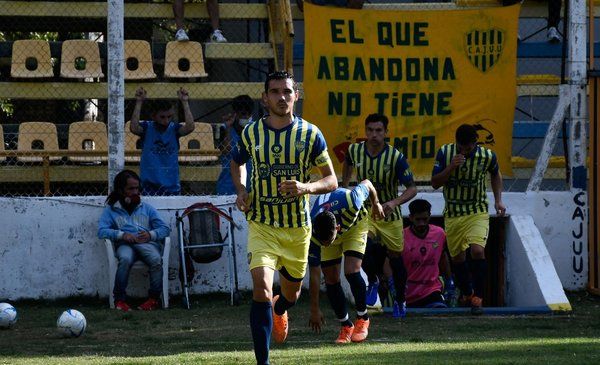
484,48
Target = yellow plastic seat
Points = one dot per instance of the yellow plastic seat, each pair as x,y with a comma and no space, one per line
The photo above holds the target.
184,60
34,136
80,58
85,136
131,145
31,59
138,60
202,140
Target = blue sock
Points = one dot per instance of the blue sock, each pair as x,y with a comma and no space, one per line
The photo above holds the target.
282,305
479,274
359,291
461,274
400,276
335,293
261,324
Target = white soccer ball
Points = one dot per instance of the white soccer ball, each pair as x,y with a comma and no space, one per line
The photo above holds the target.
71,323
8,315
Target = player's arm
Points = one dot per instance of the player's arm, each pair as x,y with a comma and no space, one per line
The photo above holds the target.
377,210
347,171
327,183
441,172
134,126
496,181
188,126
316,319
237,168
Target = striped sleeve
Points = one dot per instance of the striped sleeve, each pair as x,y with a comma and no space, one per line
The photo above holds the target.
440,162
319,155
493,168
240,153
405,176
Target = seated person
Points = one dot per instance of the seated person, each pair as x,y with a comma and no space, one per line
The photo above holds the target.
212,7
424,256
137,232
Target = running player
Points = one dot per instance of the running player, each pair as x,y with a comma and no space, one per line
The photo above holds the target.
283,148
461,168
340,227
386,168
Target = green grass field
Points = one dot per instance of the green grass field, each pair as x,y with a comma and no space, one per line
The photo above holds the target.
212,332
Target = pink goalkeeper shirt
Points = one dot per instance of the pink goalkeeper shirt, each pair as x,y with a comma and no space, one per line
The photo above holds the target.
421,259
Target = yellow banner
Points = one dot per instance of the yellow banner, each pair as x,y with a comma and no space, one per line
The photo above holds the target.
427,71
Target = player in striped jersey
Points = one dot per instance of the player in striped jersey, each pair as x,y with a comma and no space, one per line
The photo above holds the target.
386,168
282,148
461,168
340,229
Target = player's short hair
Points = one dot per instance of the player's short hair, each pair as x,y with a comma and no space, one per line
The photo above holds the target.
157,106
280,75
466,134
419,206
324,226
374,118
243,104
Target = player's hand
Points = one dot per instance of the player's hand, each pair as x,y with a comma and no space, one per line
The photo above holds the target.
457,161
292,188
140,94
228,119
500,208
388,208
242,201
316,320
129,238
378,211
142,237
183,94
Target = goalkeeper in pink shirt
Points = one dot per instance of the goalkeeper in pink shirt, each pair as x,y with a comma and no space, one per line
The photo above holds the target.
424,258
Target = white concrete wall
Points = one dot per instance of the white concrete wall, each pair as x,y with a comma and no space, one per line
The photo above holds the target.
49,248
531,279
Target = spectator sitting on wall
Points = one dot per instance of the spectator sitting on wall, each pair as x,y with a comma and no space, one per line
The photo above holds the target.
243,107
212,6
137,232
554,6
351,4
159,166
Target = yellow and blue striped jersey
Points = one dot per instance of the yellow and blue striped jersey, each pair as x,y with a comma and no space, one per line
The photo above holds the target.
464,192
348,207
386,171
278,155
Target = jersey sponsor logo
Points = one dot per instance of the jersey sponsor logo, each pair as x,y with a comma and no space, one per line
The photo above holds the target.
285,170
263,170
300,145
276,150
257,147
275,200
322,160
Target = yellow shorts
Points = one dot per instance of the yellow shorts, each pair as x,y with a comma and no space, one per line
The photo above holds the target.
355,239
391,234
466,230
283,249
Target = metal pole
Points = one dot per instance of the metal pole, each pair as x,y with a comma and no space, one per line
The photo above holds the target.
116,89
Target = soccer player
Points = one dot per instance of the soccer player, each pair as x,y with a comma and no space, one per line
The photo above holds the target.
461,168
424,258
283,148
386,167
340,227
